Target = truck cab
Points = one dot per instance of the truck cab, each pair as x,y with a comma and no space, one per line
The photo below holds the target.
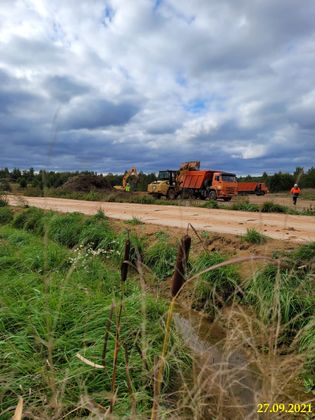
165,185
223,185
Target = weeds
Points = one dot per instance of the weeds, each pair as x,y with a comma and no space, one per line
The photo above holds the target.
134,221
245,205
254,237
271,207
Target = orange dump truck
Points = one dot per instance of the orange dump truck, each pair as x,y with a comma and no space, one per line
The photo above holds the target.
209,184
258,188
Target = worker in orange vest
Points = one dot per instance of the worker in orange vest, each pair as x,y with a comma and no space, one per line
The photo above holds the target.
295,191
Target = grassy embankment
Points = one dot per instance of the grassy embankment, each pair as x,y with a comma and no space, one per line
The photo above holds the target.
62,294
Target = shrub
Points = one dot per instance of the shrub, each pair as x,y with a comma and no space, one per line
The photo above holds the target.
270,207
6,215
254,237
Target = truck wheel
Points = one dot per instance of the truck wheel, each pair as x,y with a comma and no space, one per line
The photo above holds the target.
171,195
227,198
157,196
212,195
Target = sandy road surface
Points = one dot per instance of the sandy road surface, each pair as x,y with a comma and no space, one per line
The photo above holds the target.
277,226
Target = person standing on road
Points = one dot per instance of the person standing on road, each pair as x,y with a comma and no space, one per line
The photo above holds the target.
295,191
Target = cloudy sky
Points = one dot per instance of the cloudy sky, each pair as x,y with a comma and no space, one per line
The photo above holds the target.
105,84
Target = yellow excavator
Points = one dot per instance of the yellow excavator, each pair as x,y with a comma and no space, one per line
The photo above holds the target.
125,184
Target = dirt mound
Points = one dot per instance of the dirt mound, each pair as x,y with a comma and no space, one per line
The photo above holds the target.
86,183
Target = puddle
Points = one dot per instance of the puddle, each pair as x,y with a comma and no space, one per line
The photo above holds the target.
223,373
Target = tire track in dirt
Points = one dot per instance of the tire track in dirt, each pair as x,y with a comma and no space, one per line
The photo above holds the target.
278,226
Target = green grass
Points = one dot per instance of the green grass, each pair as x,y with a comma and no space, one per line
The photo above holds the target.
271,207
214,288
254,237
285,293
6,215
55,303
244,205
160,257
211,204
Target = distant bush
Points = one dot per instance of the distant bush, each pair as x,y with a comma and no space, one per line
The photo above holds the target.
6,215
270,207
5,185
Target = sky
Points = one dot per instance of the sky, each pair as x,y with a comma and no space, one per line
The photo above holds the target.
103,85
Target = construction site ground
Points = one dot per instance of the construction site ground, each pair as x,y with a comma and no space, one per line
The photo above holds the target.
283,227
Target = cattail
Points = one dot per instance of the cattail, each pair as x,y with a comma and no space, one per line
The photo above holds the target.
181,264
126,261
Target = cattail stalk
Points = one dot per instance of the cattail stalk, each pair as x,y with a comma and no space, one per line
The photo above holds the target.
181,264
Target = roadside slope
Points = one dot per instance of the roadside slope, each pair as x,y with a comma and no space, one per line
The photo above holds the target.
277,226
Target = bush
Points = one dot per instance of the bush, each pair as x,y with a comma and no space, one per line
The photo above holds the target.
270,207
5,185
6,215
254,237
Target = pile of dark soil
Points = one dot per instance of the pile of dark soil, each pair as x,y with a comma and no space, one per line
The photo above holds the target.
86,183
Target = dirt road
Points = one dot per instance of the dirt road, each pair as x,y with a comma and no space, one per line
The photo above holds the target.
277,226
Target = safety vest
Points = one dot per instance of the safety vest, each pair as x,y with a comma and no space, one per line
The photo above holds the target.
295,190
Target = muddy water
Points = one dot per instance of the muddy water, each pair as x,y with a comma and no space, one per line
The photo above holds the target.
223,378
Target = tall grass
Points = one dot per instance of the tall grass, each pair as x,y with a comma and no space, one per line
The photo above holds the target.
214,288
57,302
50,312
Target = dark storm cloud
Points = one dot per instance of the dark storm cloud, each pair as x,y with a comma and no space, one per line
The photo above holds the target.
95,113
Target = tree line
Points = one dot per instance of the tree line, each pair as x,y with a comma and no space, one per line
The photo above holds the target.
51,179
280,181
